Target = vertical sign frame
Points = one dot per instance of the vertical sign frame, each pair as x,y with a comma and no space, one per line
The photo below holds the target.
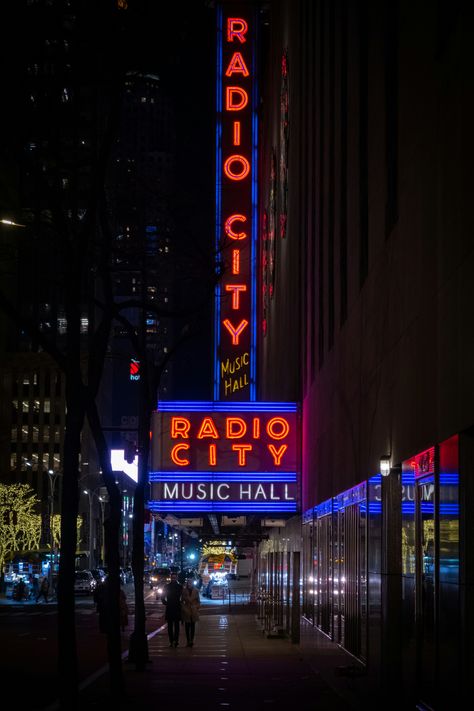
235,331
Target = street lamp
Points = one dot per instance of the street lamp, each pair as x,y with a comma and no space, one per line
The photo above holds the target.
91,548
102,501
90,493
53,475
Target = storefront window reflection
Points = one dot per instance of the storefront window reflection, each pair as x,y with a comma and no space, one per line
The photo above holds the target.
449,512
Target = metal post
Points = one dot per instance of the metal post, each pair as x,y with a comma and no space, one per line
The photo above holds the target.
295,600
89,493
53,475
102,509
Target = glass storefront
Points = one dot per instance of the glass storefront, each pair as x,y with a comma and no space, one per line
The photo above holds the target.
335,569
430,571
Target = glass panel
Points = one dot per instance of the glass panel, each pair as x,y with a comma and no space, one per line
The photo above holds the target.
323,582
340,578
426,586
363,579
308,576
450,619
408,565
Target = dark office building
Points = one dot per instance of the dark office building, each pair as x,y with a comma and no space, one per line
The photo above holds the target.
54,74
140,182
367,294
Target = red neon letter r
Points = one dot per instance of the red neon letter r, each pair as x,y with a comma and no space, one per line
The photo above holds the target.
236,27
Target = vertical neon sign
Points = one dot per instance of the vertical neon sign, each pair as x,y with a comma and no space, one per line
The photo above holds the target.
236,205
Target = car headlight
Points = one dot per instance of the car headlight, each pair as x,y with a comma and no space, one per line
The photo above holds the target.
154,580
160,590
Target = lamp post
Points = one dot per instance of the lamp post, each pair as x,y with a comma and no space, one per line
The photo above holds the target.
53,475
102,508
90,493
91,543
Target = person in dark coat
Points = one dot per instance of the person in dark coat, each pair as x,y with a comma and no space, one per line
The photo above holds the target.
190,603
101,595
43,590
172,599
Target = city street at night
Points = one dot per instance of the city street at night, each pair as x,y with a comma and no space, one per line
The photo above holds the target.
236,355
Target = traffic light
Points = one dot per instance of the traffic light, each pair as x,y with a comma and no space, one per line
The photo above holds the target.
130,452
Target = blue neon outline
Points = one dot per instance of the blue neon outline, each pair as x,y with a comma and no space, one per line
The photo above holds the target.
280,477
217,301
253,338
225,506
217,406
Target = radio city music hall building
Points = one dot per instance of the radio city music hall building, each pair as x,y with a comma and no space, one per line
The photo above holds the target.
366,297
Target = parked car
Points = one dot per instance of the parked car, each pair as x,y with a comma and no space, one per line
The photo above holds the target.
84,582
189,573
128,575
99,575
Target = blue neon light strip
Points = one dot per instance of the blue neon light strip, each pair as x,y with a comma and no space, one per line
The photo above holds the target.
323,509
253,341
260,506
223,476
217,300
216,406
451,478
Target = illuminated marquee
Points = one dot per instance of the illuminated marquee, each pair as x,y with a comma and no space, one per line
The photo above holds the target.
233,454
224,457
236,204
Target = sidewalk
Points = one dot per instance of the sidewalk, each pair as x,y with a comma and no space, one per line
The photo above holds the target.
231,667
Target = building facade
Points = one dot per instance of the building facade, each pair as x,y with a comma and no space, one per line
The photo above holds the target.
366,299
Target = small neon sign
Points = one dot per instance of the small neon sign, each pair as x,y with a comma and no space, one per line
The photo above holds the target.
134,369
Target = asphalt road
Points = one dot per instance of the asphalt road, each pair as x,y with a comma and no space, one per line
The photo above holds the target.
28,646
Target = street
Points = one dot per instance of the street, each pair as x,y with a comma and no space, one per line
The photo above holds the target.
28,655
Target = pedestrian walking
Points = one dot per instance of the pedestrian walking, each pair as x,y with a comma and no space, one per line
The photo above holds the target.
43,590
190,604
172,599
34,582
101,595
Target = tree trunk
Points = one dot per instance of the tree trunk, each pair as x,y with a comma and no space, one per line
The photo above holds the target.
67,654
112,556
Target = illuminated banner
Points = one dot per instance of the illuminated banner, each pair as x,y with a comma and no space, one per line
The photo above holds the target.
236,205
225,457
134,369
233,454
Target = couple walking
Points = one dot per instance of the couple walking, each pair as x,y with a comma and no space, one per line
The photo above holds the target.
182,605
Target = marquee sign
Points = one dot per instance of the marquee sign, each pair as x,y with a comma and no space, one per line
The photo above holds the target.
225,457
233,454
236,205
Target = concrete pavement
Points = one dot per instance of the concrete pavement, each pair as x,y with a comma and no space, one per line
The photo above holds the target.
231,667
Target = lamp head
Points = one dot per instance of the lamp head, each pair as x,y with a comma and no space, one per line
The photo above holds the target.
385,465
